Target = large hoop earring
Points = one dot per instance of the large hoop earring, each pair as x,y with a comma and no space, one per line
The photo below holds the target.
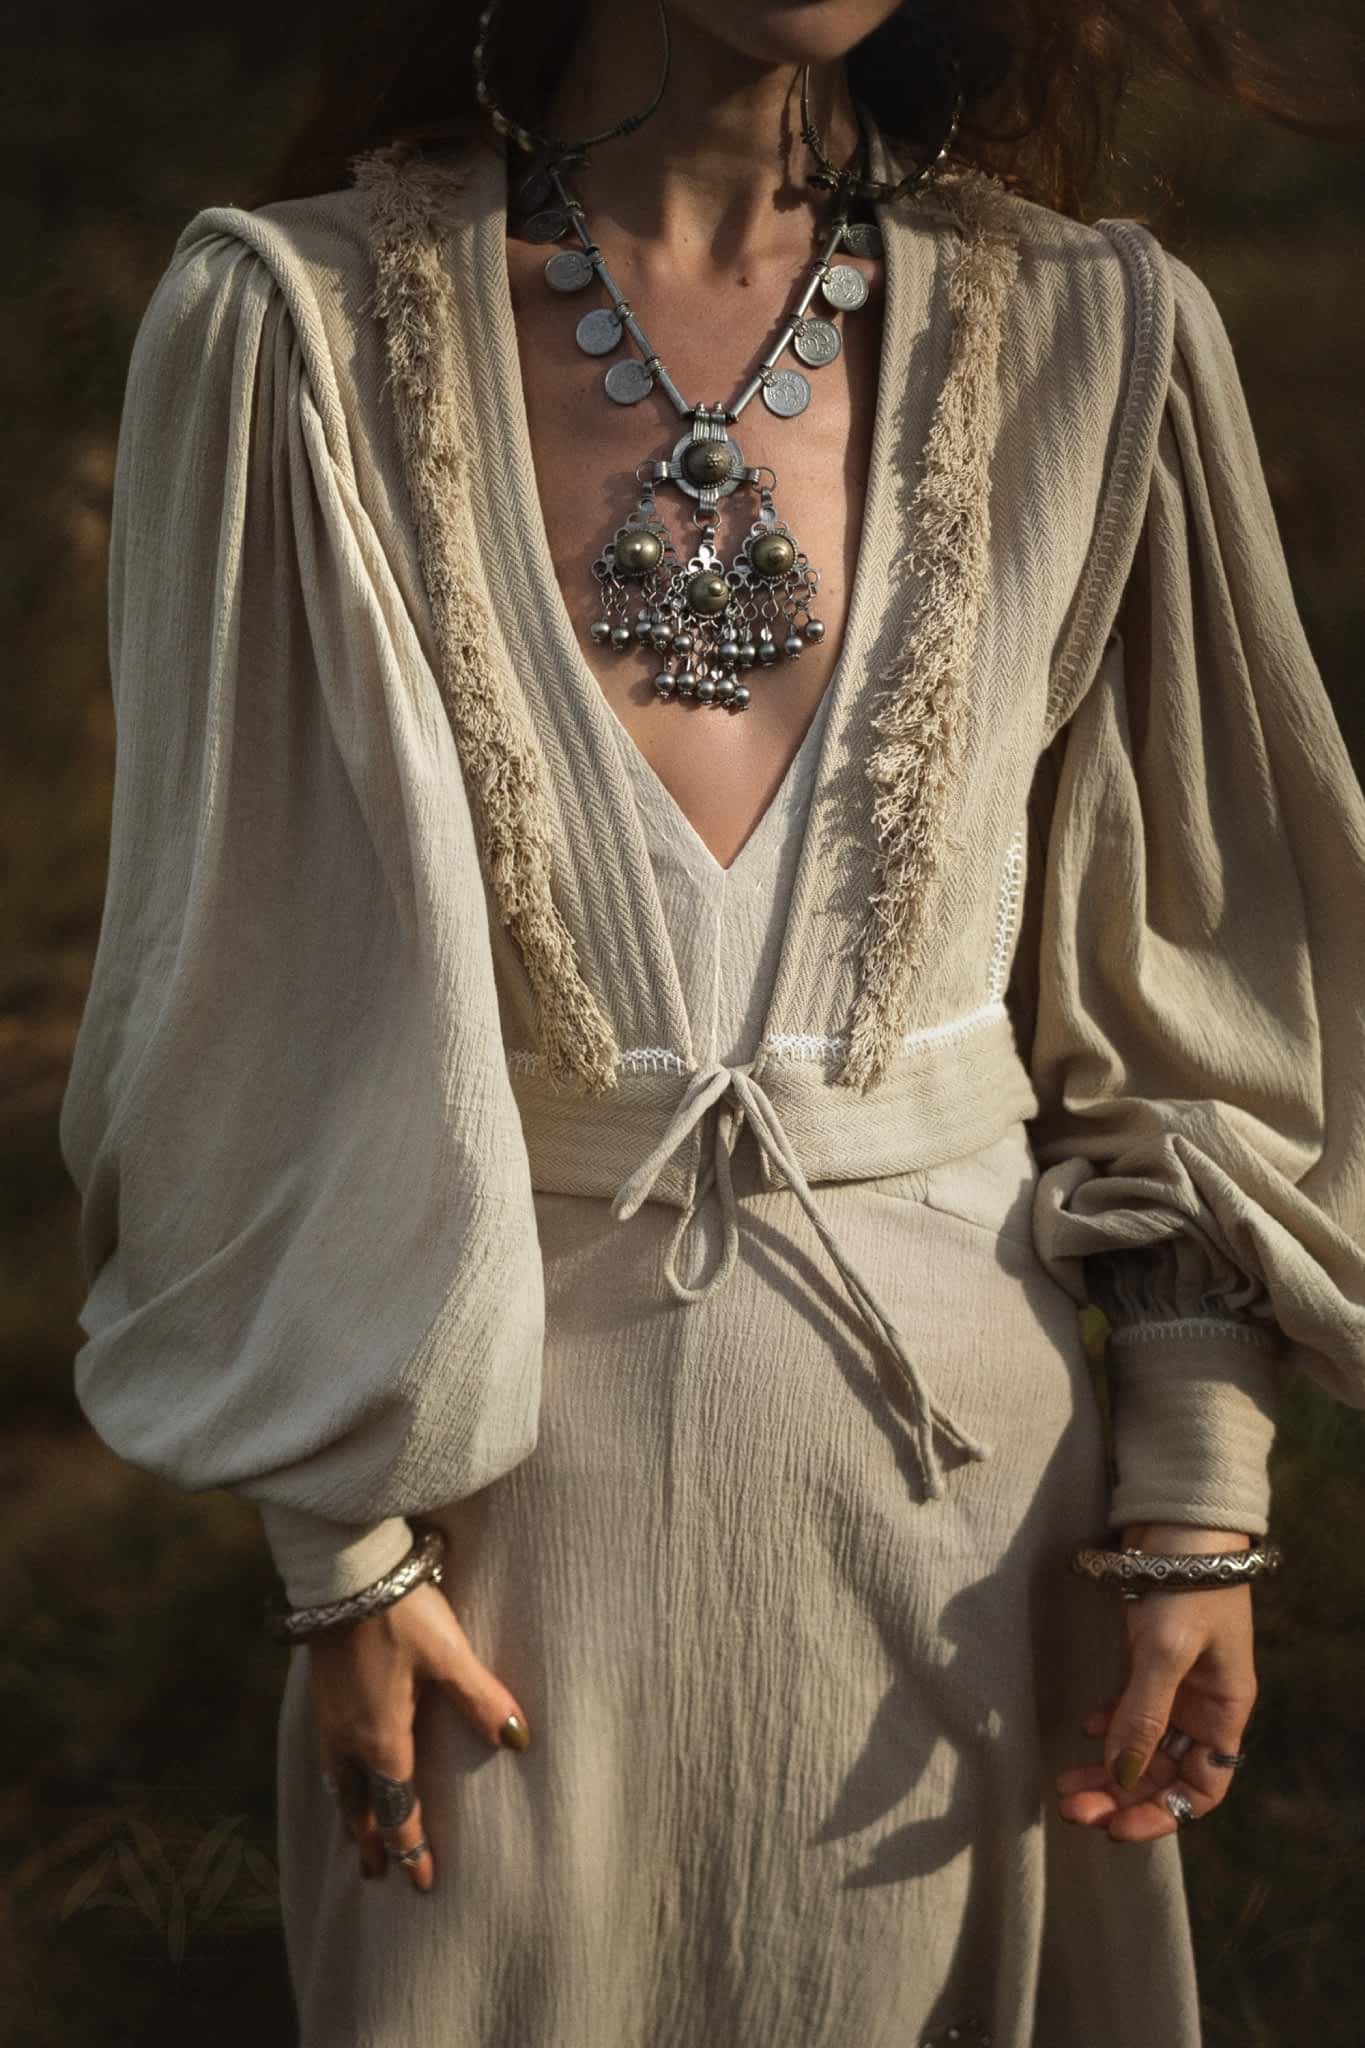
531,139
882,190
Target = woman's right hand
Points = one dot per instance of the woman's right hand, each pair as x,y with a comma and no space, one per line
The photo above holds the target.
366,1680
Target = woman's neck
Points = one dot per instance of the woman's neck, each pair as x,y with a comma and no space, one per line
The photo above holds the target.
715,179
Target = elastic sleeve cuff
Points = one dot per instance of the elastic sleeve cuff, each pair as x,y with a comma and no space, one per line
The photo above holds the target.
321,1560
1194,1402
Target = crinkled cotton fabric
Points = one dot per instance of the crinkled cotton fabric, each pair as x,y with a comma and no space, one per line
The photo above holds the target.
715,1282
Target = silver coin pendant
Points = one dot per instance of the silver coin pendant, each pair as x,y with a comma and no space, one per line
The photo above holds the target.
628,382
787,393
568,270
863,238
845,287
816,341
546,226
598,332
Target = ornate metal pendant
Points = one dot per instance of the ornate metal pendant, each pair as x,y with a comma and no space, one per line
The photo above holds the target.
707,621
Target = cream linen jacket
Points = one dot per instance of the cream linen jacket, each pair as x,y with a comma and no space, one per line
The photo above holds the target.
380,955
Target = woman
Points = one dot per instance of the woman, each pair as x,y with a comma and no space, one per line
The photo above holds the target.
644,1099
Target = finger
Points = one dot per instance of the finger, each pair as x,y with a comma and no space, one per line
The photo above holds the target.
397,1811
1146,1706
392,1818
1147,1819
478,1692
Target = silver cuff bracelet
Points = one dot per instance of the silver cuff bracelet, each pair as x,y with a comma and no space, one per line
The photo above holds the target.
1135,1572
424,1561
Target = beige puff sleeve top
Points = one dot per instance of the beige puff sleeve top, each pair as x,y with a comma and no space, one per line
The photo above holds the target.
307,1225
308,1230
1194,955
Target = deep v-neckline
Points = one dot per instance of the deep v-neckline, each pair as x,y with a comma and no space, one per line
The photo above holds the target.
526,512
653,789
604,880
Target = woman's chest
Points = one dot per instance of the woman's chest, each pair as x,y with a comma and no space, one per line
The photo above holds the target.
722,767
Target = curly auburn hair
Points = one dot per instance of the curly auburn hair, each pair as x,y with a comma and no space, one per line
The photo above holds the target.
1043,81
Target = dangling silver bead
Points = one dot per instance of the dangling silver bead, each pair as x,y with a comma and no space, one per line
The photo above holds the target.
706,689
748,654
661,634
814,629
682,643
791,646
741,696
725,689
600,630
686,682
665,683
621,636
729,650
767,652
644,626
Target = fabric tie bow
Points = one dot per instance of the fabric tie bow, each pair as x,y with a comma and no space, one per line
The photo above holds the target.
706,1086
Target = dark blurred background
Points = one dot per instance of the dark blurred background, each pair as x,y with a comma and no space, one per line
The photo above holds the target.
138,1895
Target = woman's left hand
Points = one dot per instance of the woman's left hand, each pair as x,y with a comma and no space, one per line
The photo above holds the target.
1188,1663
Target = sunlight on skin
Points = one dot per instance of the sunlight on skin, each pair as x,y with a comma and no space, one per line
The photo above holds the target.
1188,1661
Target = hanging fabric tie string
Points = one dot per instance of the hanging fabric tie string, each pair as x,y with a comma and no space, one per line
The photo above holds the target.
708,1086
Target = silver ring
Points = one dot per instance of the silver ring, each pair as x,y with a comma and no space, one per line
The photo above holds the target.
418,1848
1175,1742
1179,1807
1227,1760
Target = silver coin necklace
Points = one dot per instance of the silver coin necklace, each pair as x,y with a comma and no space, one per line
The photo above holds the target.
705,622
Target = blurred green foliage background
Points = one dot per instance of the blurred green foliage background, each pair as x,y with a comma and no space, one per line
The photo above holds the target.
138,1895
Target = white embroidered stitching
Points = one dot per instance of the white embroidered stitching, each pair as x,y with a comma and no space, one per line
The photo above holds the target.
1204,1326
637,1059
1011,894
786,1045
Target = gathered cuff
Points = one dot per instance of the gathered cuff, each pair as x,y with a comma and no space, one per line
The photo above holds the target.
1194,1401
320,1560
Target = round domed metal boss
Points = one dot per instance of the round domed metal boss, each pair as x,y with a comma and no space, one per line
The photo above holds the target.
708,593
728,482
772,554
707,462
568,270
598,332
637,553
845,287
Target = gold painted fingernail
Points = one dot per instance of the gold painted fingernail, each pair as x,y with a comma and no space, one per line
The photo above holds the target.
1128,1769
514,1732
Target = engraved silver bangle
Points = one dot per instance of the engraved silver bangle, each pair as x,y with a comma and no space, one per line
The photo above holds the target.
423,1562
1134,1571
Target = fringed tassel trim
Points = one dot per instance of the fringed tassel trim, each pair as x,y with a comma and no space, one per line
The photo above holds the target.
921,719
503,766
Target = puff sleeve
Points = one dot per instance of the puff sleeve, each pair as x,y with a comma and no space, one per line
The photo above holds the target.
306,1225
1198,1047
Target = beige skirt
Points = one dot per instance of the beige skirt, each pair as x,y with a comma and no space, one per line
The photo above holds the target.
794,1726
